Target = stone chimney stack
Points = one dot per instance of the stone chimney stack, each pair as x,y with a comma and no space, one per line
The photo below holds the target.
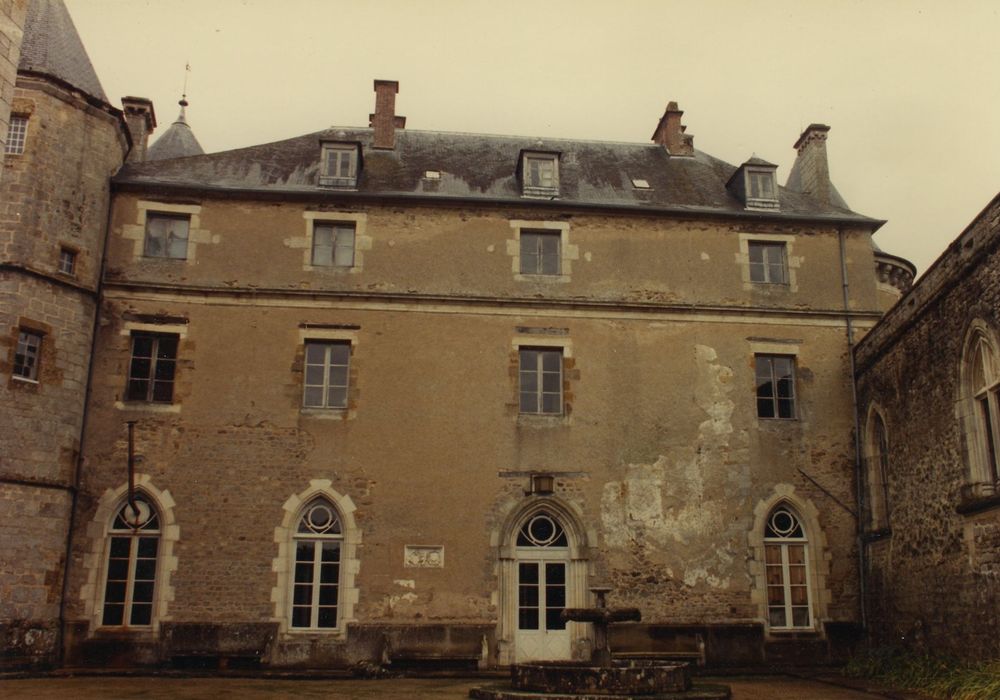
384,120
141,120
811,172
670,133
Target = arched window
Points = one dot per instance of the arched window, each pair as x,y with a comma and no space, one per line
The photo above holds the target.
983,387
133,549
316,584
786,557
877,462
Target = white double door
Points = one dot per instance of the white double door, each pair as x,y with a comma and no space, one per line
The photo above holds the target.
541,634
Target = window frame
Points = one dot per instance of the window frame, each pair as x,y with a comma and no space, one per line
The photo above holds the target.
540,236
135,536
775,382
153,218
877,468
327,344
155,361
17,135
783,544
328,178
337,229
538,372
529,186
981,385
766,265
754,178
317,540
70,256
23,348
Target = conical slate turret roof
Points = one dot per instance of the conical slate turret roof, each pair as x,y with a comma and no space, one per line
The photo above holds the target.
176,142
52,46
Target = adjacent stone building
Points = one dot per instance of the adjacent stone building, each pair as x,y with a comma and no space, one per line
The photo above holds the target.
64,143
929,401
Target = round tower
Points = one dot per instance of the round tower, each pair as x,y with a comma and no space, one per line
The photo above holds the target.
64,142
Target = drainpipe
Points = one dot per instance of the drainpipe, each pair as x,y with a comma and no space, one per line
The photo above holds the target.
858,473
78,467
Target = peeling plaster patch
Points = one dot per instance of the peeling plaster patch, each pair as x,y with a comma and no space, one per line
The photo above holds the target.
588,256
713,385
672,511
705,256
393,600
405,583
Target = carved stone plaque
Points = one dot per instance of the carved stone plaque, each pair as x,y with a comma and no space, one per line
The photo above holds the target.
423,556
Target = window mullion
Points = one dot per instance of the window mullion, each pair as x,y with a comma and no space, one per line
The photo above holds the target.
133,552
786,585
317,562
326,376
539,380
151,378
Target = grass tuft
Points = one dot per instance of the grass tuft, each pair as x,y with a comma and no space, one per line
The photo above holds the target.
937,676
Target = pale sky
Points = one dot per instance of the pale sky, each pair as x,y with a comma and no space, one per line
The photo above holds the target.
910,88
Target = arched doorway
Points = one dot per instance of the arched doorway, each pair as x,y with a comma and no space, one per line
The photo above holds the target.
542,571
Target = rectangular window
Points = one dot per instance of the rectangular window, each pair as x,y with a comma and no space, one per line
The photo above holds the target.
333,244
16,135
775,386
540,380
540,253
327,365
166,236
152,368
67,261
768,263
787,587
316,584
29,347
339,167
540,174
761,185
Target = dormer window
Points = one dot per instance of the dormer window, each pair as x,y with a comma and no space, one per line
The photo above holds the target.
540,174
339,165
754,184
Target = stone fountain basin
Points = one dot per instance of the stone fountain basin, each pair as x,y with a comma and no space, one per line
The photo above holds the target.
623,677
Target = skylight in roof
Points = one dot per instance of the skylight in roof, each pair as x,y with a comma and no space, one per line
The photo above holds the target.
432,174
640,184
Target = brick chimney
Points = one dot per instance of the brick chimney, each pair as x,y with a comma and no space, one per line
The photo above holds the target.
670,133
384,120
811,172
141,120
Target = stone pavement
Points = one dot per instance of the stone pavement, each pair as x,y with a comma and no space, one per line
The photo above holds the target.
160,688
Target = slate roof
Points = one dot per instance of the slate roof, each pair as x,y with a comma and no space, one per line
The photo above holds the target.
176,142
478,167
52,46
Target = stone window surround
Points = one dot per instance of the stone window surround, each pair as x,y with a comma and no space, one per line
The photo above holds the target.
283,564
332,335
196,235
562,342
567,252
95,560
362,241
793,262
503,541
178,329
966,411
817,553
876,480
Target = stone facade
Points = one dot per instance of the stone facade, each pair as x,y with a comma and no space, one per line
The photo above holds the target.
54,198
660,463
933,549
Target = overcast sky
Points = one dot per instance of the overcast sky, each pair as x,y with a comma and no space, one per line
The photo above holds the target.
911,89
